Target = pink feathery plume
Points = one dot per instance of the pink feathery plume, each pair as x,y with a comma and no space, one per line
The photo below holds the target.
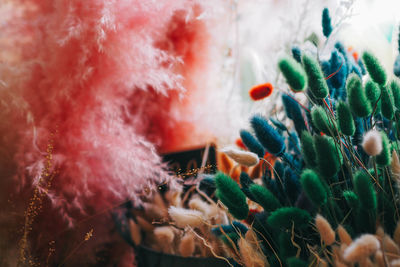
107,82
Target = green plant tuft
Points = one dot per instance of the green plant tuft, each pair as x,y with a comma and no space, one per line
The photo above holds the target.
321,121
294,74
373,93
374,68
287,216
308,149
345,119
295,262
229,192
357,98
329,158
351,199
313,187
395,86
316,80
365,191
384,158
387,103
264,197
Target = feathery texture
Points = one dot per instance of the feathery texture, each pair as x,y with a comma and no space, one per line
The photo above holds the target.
338,66
308,150
326,22
296,53
287,216
165,236
384,158
264,197
242,157
374,68
316,80
395,166
98,73
395,86
293,73
344,236
357,98
268,136
351,199
187,245
345,119
228,191
329,158
293,111
387,102
185,217
250,256
365,191
372,142
361,248
313,187
321,121
325,230
373,92
261,91
252,143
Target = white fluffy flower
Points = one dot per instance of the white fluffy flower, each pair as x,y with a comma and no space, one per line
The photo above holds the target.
372,143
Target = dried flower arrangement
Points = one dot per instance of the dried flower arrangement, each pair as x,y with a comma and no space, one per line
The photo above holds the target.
337,172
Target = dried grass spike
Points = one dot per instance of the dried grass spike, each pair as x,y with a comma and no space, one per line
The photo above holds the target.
325,230
185,217
245,158
395,165
361,248
165,236
344,236
250,256
187,245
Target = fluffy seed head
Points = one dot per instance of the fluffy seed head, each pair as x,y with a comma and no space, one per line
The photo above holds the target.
344,236
185,217
261,91
325,230
372,143
187,245
361,248
245,158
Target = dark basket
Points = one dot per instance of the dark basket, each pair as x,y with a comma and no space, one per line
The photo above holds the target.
146,257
